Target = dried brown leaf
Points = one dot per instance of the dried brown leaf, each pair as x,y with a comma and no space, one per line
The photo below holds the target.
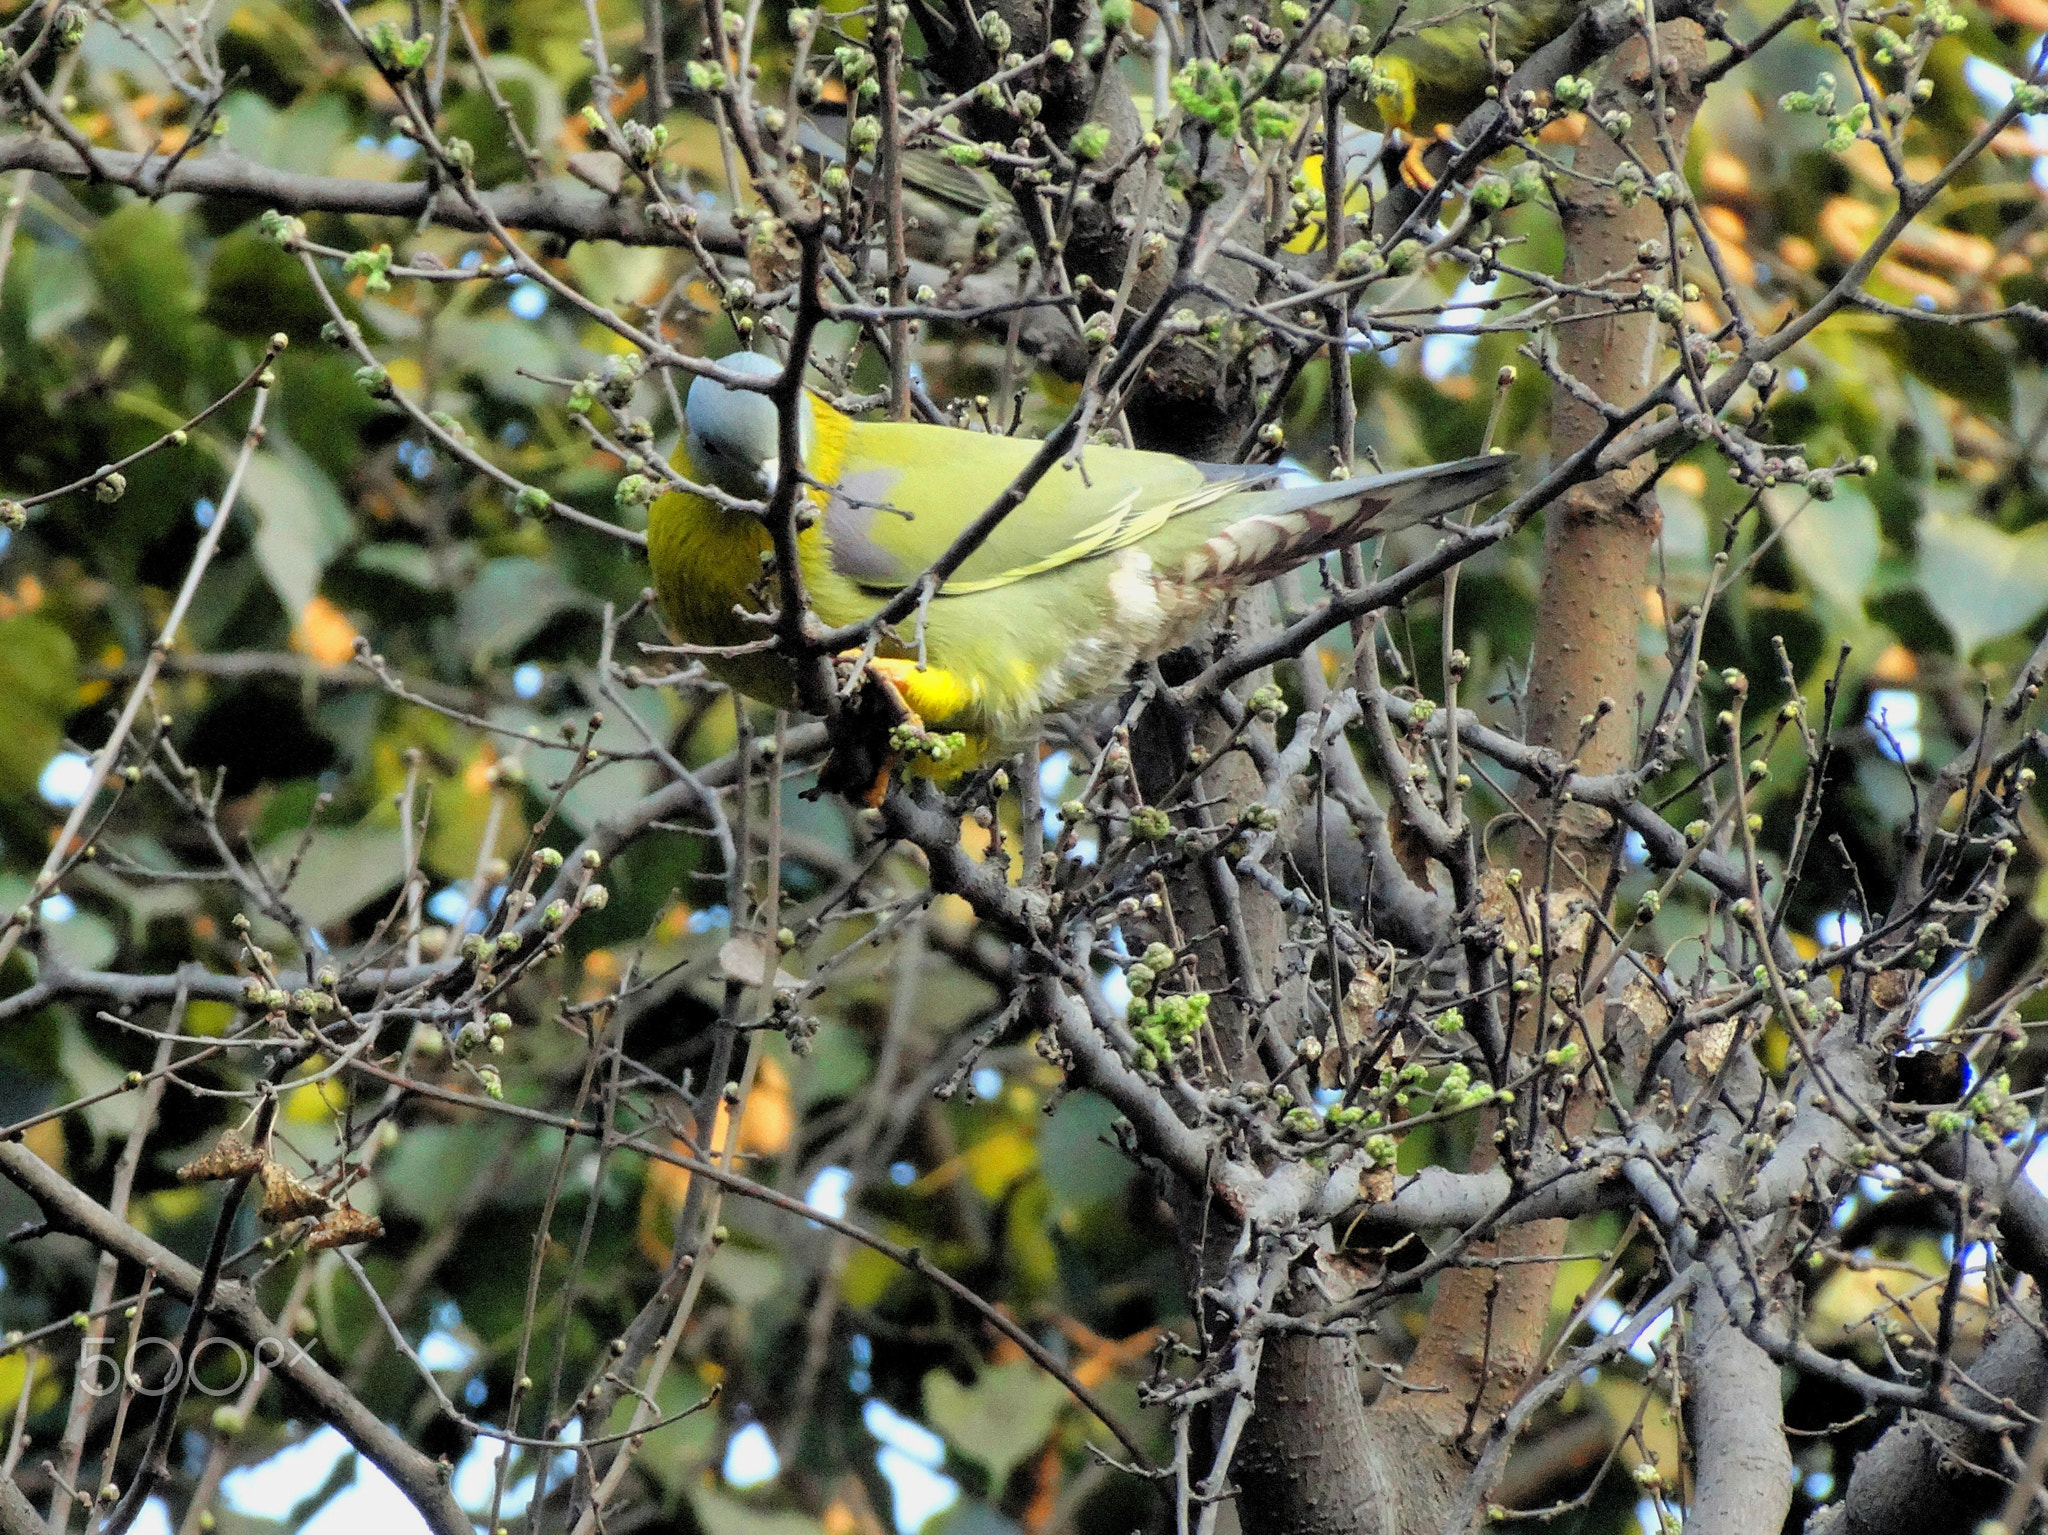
287,1196
231,1157
1706,1047
344,1228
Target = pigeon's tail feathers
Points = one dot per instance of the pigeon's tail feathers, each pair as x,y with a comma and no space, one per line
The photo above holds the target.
1295,525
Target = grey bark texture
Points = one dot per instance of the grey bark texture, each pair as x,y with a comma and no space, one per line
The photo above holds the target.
1928,1473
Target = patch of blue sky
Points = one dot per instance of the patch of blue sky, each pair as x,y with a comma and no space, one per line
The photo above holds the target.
1837,929
1941,1003
529,300
828,1191
1449,352
440,1350
476,1481
750,1458
918,1493
443,1348
1892,718
272,1488
1116,991
909,1461
64,779
904,1434
1994,87
1608,1316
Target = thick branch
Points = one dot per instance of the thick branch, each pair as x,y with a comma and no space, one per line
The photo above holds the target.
557,208
1742,1465
1924,1473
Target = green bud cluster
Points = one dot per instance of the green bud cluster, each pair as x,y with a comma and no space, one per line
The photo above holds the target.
635,490
373,266
1209,94
282,227
1360,258
644,143
1404,258
1150,824
1163,1026
1456,1090
908,740
395,53
1490,194
1089,143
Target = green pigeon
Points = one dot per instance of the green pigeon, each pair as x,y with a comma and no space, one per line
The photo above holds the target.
1115,557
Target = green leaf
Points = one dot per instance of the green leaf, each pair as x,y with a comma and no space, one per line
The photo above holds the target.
721,1515
146,289
301,521
304,138
1000,1420
1078,1155
1983,583
343,870
494,350
410,563
510,601
82,941
38,686
91,1074
745,1276
253,288
59,288
1835,544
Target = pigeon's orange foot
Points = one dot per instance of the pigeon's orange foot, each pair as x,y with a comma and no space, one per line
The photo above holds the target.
883,726
1414,173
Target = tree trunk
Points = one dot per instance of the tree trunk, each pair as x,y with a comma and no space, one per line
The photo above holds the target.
1598,537
1486,1327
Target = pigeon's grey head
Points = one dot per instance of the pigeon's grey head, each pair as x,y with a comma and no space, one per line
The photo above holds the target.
734,436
